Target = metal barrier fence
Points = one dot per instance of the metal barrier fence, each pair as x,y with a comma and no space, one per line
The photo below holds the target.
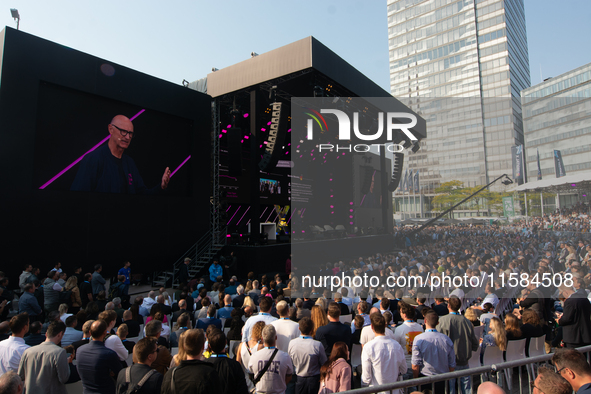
500,371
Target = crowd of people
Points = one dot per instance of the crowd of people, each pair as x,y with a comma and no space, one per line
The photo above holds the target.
281,333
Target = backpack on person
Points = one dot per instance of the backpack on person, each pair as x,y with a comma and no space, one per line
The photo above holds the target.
114,291
128,388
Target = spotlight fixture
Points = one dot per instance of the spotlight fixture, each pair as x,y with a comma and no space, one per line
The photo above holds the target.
16,16
415,147
185,83
253,54
507,181
213,69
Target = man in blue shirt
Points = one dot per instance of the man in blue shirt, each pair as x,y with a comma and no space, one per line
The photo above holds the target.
96,363
432,353
215,270
126,271
28,303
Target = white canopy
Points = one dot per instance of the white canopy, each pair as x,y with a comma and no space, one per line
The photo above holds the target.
575,182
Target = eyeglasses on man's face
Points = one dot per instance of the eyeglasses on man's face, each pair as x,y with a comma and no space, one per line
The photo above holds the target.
123,131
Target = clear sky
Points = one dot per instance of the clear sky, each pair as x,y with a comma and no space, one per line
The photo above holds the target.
184,39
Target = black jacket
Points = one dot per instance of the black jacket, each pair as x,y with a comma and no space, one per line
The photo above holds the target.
192,376
151,386
232,380
332,333
576,320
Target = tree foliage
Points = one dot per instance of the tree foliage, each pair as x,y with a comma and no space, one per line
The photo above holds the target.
452,192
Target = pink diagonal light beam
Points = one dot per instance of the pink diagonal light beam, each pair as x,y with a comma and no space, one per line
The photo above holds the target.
183,163
62,172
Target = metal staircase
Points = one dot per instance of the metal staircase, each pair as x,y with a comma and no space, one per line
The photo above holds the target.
212,242
201,255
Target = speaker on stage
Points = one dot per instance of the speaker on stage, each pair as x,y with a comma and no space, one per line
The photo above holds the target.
276,136
397,165
367,174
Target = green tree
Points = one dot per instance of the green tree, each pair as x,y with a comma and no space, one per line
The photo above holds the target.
447,195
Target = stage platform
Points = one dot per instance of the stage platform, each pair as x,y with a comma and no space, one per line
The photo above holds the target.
307,255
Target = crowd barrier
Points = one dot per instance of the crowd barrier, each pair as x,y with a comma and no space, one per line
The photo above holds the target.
501,372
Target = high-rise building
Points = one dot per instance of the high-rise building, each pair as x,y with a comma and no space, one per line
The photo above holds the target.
557,117
461,65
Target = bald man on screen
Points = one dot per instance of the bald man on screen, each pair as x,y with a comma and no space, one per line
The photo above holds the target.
108,169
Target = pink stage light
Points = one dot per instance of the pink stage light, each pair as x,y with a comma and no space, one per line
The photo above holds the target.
62,172
246,115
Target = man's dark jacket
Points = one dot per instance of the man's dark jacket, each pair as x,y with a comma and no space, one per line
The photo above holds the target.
232,380
192,376
576,320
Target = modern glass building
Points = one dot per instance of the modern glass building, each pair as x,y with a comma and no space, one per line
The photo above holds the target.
461,65
557,116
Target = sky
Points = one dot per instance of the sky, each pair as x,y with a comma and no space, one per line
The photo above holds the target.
185,39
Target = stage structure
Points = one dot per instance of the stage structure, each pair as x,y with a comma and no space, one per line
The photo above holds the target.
59,202
259,181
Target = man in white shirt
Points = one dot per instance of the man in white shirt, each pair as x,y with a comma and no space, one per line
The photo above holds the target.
149,301
367,334
278,375
286,329
265,304
382,359
406,333
491,297
12,349
113,342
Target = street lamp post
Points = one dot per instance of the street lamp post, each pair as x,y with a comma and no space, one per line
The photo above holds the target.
16,16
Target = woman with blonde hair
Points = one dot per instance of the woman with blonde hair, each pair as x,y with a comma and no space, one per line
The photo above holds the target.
72,285
248,287
182,354
512,327
318,317
471,315
249,302
246,349
63,309
497,336
321,302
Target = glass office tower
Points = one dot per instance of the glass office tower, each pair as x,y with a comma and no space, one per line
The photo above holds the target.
461,65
